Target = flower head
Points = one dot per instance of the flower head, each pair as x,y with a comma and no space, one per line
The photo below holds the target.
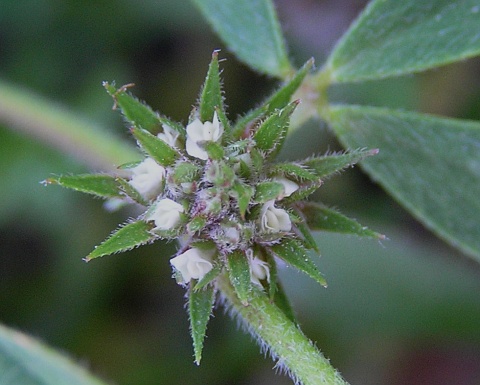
147,178
166,214
193,263
274,220
198,132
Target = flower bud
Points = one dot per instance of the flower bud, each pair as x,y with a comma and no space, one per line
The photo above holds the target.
259,269
147,178
198,132
193,263
289,186
167,214
274,220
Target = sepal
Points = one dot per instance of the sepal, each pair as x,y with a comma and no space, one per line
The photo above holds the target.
327,165
155,147
125,238
295,254
104,186
239,274
320,217
200,305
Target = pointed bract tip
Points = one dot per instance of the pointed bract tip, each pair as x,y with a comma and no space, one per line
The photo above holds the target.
86,259
375,151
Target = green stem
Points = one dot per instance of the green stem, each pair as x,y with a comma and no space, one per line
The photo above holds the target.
90,144
295,352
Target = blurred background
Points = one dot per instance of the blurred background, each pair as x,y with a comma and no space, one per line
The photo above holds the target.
406,311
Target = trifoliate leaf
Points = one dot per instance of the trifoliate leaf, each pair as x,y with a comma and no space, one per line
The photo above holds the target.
200,304
211,95
239,274
430,164
277,101
155,147
267,191
251,30
271,133
104,186
294,253
125,238
327,165
319,217
391,38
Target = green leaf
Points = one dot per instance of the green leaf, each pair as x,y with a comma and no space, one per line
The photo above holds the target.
429,164
137,113
211,95
210,276
104,186
277,101
131,191
196,224
185,172
25,361
297,171
271,133
125,238
267,191
307,235
327,165
214,150
239,274
294,253
155,147
398,37
251,30
242,193
200,304
319,217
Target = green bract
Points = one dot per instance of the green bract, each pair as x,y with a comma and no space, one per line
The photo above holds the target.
214,185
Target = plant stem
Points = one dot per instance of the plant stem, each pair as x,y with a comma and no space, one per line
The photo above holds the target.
52,124
294,352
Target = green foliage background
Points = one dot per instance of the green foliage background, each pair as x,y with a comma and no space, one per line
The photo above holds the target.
394,313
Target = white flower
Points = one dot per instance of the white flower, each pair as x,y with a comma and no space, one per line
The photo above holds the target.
259,270
193,263
200,132
166,214
274,220
169,136
289,186
147,178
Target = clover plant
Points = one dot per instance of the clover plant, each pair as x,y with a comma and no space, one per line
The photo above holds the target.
237,214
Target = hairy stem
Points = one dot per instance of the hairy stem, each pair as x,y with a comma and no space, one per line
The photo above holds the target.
288,345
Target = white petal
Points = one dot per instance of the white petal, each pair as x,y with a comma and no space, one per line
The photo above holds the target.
166,214
193,149
274,220
169,136
147,178
259,270
193,263
289,186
